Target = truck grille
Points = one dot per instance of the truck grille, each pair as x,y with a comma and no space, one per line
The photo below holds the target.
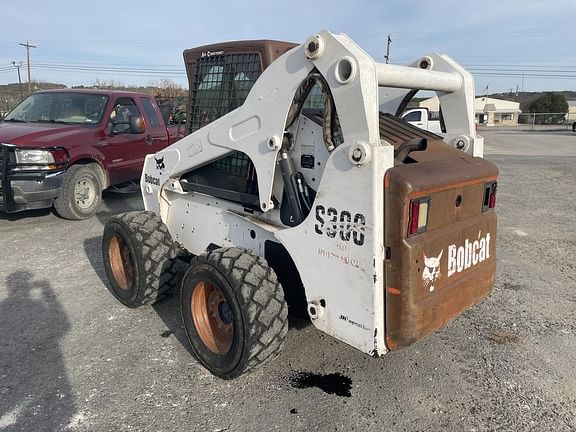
5,191
3,158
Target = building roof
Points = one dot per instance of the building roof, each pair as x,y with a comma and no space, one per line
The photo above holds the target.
488,104
499,111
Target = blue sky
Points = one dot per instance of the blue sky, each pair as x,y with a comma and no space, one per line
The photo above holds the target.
505,43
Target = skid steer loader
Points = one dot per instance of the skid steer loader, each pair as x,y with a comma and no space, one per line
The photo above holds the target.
299,181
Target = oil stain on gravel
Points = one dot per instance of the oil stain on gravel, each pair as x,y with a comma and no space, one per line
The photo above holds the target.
502,337
334,383
513,287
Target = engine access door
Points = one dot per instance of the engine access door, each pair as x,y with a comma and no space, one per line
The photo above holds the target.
440,234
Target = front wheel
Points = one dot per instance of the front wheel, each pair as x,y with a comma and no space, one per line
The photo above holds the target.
233,310
140,258
80,194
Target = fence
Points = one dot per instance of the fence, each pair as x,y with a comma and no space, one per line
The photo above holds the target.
545,121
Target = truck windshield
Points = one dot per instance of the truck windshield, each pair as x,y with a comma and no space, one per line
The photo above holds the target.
60,107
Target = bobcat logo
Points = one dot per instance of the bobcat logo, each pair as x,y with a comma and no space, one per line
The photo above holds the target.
160,163
431,271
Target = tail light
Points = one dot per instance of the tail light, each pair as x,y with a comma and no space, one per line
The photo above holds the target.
418,216
489,196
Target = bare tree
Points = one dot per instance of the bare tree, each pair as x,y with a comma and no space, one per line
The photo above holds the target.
108,85
167,88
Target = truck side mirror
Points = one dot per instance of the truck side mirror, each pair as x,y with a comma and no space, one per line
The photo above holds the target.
136,124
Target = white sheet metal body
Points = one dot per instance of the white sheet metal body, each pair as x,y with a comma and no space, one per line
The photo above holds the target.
454,87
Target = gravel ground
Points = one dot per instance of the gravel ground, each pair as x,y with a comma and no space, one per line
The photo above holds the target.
73,358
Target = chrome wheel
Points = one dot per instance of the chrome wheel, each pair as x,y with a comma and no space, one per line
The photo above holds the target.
85,193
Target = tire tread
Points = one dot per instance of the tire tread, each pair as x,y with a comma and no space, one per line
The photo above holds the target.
162,270
62,203
261,298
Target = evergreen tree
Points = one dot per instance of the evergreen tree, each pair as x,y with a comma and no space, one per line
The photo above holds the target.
549,103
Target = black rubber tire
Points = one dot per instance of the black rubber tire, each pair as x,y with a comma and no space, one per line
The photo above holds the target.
574,127
66,204
140,258
259,313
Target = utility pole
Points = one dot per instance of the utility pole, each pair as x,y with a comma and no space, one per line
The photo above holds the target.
18,65
28,46
387,56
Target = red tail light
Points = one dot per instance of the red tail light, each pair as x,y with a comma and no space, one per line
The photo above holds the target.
489,196
414,213
492,203
418,216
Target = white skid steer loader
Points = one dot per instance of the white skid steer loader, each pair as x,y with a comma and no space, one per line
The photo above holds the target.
299,183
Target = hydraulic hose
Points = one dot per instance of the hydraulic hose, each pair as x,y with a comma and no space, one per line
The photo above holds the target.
417,144
288,172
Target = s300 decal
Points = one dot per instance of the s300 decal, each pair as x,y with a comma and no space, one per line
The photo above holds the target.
341,224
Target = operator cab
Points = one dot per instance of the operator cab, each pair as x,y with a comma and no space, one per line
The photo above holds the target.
220,78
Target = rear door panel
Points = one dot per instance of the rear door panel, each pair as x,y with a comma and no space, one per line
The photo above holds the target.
433,276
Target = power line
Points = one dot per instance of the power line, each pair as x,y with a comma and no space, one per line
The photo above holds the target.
177,67
176,71
517,75
112,68
518,65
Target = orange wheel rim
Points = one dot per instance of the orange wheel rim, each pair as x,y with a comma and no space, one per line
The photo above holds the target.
213,317
120,262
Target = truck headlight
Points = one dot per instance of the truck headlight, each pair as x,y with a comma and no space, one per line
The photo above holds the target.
40,157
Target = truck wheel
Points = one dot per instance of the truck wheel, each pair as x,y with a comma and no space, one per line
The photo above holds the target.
80,194
233,310
140,258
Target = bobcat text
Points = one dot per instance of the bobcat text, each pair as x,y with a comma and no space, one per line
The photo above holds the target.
468,255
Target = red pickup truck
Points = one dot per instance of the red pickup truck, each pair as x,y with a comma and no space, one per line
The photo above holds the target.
63,147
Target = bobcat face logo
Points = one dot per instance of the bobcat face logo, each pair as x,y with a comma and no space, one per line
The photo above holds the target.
160,163
431,271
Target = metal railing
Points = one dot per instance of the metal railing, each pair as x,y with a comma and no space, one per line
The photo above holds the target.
540,122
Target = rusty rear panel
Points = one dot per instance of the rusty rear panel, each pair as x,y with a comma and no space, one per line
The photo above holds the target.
433,276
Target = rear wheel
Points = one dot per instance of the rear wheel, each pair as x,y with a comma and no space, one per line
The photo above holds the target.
140,258
80,194
233,310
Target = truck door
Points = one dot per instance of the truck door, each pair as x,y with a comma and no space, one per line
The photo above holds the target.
156,136
124,151
417,118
